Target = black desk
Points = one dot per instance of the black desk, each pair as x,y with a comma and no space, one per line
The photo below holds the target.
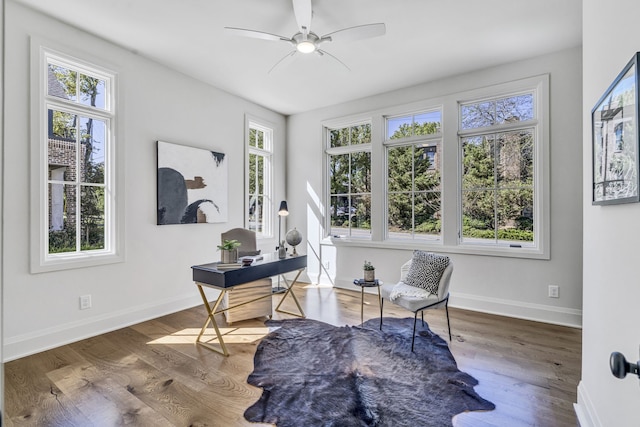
223,279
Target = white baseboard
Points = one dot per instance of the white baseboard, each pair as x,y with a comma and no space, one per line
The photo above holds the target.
521,310
503,307
48,338
585,411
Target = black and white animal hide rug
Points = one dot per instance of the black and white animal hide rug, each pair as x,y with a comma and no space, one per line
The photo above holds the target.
316,374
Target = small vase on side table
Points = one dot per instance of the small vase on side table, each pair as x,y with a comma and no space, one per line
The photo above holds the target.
369,275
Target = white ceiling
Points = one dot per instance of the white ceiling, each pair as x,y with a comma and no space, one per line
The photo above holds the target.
425,40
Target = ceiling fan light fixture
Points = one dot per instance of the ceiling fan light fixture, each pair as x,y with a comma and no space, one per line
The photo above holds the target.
305,43
306,46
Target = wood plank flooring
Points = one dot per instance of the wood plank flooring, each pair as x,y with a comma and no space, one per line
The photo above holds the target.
152,373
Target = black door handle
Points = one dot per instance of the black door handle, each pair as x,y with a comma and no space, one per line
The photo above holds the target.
620,367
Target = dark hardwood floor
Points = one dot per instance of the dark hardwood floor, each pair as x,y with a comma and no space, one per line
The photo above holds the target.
152,373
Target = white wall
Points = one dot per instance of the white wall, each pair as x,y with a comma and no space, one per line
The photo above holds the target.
42,310
611,36
1,201
511,286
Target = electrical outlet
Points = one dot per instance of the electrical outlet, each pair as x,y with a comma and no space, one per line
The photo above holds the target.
85,302
554,291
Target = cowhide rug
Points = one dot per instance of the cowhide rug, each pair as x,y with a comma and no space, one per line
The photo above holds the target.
316,374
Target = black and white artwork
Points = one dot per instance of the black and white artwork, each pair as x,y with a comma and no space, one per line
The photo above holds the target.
615,140
192,185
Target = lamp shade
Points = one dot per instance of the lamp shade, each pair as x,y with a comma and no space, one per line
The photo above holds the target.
283,211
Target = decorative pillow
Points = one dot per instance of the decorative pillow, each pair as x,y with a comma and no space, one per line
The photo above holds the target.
426,270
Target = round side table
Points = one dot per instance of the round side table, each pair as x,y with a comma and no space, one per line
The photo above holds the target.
363,284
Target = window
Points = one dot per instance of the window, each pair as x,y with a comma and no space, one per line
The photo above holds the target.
259,179
349,163
413,176
498,139
76,168
464,173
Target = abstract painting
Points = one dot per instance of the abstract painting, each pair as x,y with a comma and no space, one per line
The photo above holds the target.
192,185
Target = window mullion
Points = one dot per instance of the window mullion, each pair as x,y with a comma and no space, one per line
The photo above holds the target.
503,127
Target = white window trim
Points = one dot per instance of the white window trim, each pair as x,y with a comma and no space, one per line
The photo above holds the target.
451,172
269,217
40,259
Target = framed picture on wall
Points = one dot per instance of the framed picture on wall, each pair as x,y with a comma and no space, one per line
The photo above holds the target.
615,140
192,185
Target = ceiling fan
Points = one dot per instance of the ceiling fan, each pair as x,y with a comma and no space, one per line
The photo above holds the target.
306,41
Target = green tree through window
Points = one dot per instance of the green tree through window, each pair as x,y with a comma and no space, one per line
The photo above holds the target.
76,152
260,204
498,172
349,159
413,178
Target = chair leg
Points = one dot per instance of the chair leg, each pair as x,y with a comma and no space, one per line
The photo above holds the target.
413,337
381,304
422,315
446,307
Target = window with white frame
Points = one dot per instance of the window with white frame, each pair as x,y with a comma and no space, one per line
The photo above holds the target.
349,180
76,126
481,187
259,179
498,139
413,158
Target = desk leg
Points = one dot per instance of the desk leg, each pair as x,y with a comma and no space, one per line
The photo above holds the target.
212,319
293,295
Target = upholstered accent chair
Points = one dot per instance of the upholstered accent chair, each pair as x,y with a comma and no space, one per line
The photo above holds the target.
418,301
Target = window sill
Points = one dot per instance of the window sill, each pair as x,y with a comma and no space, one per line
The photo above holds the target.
438,246
57,263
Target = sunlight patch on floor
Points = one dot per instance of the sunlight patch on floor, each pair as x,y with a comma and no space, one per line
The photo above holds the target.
319,286
232,335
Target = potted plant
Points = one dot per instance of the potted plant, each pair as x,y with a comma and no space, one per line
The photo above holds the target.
369,272
229,251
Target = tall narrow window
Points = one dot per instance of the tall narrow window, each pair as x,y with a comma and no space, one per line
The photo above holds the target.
414,150
77,139
498,140
349,175
259,177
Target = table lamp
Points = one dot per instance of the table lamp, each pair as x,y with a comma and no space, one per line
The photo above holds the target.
283,211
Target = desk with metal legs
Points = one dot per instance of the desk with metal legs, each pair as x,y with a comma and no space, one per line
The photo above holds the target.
223,280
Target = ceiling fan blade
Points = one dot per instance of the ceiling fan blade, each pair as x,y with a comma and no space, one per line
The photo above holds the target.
287,56
256,34
356,33
302,11
324,52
